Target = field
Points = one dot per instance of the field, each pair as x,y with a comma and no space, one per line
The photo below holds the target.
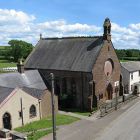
3,61
6,63
130,59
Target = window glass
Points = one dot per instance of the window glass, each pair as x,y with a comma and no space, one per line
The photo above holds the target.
32,111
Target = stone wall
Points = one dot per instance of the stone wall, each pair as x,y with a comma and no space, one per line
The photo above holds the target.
99,77
46,104
81,80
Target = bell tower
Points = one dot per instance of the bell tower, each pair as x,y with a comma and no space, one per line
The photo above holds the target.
107,29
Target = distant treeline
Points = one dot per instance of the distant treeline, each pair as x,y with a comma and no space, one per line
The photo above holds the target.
16,50
3,51
128,54
6,52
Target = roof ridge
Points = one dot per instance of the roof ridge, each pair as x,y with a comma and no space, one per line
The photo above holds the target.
6,87
32,88
71,37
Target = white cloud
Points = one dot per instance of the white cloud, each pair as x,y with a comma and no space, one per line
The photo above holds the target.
20,25
64,27
135,26
14,17
125,37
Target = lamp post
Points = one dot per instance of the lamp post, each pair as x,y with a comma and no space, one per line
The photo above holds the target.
53,107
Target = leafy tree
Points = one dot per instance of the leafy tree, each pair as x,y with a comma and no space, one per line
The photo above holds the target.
19,49
121,53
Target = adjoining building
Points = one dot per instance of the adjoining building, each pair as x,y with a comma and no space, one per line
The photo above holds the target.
23,98
86,69
131,76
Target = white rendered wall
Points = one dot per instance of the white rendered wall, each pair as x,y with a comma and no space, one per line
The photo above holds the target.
136,78
13,106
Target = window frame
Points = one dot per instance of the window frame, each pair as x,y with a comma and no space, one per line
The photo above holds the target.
32,111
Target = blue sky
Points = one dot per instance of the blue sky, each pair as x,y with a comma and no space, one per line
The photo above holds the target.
25,19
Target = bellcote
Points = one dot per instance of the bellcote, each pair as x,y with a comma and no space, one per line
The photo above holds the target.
107,29
40,36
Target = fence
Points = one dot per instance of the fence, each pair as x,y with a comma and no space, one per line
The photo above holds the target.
115,103
8,69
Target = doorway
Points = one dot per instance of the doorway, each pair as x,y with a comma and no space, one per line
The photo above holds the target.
7,121
109,92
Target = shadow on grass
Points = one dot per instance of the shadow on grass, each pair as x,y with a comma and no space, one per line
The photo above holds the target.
78,111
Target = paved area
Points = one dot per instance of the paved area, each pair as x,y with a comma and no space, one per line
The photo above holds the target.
125,127
97,128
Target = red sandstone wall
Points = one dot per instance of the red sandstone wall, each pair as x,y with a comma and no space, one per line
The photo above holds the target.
101,80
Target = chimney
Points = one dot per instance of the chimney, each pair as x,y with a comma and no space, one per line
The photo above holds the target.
20,66
107,29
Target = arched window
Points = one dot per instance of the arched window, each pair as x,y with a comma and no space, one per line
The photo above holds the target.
108,67
7,121
32,111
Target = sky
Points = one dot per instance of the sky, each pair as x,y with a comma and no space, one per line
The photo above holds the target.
26,19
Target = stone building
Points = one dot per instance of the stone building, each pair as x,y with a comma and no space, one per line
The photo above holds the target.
85,68
23,98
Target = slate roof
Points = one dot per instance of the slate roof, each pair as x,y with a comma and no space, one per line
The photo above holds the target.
37,93
4,93
69,54
30,78
131,66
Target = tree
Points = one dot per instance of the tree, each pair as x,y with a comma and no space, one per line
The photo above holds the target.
121,53
19,49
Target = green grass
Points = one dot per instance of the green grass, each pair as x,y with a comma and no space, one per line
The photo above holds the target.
38,134
44,124
77,111
124,60
3,47
47,123
130,59
6,63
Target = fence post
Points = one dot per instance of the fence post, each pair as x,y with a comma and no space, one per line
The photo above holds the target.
123,98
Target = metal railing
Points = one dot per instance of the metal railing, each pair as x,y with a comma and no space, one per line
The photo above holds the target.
113,104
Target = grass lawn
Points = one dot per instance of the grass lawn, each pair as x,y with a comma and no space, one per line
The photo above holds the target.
124,60
46,123
39,134
6,63
86,113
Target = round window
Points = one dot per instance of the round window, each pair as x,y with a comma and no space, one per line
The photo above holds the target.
108,67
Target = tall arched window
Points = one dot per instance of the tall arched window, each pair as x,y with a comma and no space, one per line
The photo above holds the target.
33,111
